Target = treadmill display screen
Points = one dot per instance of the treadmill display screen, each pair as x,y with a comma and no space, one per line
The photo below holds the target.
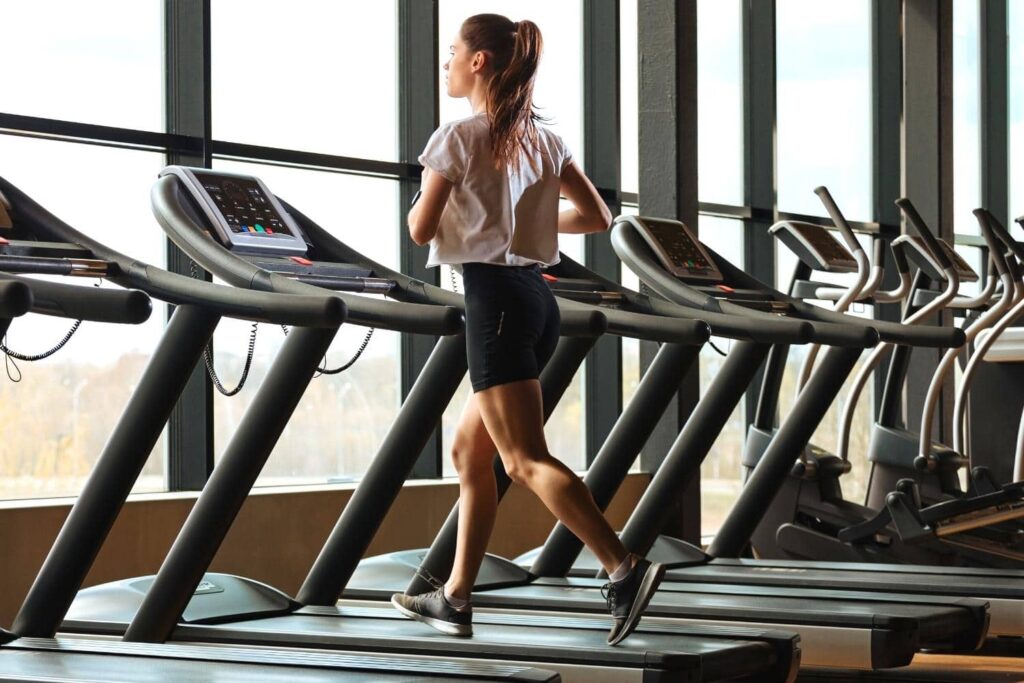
244,206
677,249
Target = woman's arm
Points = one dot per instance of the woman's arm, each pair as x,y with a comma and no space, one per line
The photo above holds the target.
589,212
425,215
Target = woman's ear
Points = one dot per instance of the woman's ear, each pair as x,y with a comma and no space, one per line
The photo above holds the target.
479,61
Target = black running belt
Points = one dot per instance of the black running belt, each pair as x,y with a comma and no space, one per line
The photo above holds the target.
41,659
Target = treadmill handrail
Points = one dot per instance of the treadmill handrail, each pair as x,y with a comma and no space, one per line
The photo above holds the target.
15,298
125,306
169,201
633,250
758,327
178,289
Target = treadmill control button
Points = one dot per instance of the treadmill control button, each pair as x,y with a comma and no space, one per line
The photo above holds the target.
549,278
301,261
726,288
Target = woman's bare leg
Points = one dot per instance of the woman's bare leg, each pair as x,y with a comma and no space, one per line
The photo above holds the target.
514,419
473,455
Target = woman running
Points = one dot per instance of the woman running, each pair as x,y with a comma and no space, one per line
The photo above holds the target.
489,205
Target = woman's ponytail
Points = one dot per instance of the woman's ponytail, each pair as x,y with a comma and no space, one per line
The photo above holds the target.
515,48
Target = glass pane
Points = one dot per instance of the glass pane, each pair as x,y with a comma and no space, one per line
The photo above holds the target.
720,101
558,91
966,112
824,105
341,419
58,418
1016,95
326,83
94,62
629,96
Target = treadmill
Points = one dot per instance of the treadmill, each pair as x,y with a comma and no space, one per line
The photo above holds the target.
33,241
838,628
183,603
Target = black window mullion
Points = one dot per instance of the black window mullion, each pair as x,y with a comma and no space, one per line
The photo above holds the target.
188,113
417,119
887,112
759,123
603,372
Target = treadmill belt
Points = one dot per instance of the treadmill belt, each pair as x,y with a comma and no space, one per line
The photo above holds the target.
40,659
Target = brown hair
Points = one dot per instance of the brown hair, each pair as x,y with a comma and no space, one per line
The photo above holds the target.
514,48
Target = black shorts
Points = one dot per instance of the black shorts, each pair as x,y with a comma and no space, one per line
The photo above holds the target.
512,323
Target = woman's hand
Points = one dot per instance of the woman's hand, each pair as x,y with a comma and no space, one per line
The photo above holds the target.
425,215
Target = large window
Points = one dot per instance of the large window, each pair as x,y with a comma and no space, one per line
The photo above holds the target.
341,419
58,417
1016,97
95,62
720,102
966,115
307,76
824,104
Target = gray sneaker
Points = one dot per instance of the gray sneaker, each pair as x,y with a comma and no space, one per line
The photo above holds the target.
628,598
433,610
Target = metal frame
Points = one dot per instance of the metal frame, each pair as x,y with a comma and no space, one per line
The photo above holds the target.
759,167
418,118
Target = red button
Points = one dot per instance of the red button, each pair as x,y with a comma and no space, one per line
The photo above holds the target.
549,278
301,261
3,242
726,288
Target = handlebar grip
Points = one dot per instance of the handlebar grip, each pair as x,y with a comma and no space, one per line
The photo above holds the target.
992,239
1005,237
124,306
403,317
929,336
657,328
837,217
581,322
850,336
899,257
922,229
15,298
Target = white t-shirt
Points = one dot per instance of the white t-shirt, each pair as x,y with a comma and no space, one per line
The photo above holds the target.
495,215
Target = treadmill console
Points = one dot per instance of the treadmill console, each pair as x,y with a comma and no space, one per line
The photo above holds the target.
244,213
677,248
923,259
816,246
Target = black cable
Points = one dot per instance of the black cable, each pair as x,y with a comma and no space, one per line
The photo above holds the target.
10,355
322,370
208,353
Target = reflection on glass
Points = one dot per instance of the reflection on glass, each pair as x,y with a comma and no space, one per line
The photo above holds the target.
1016,95
720,101
966,114
824,105
314,76
558,93
57,419
341,419
78,61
